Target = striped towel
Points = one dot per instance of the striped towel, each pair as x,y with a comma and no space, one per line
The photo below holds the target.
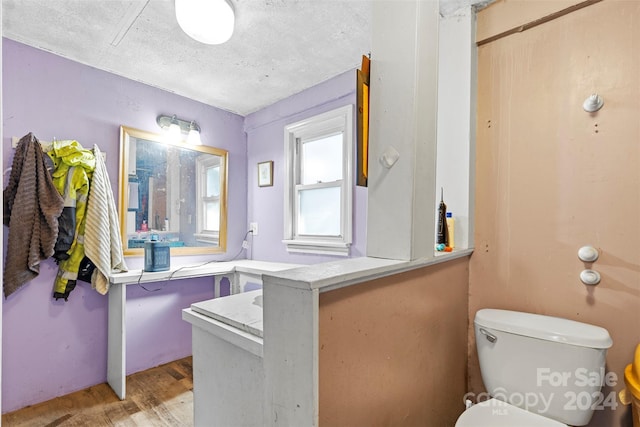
102,244
32,206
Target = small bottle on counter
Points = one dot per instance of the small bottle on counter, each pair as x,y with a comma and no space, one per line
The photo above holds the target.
441,232
450,229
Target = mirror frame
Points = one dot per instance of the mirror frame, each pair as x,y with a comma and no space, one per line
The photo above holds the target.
125,134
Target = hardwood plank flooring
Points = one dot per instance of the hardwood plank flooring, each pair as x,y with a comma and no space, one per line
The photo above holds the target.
161,396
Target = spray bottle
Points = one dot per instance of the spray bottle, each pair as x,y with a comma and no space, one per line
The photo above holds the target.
442,234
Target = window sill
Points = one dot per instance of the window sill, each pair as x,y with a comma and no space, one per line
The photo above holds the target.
321,248
207,238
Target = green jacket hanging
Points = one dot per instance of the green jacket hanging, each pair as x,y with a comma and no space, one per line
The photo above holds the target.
74,167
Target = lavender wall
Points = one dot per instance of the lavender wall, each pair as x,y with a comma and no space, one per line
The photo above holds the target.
52,348
265,141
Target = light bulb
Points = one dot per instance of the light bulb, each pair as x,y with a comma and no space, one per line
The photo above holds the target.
175,133
194,137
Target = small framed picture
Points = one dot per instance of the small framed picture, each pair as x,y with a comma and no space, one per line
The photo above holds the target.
265,174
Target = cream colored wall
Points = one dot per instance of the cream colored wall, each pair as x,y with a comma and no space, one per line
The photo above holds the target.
551,178
393,350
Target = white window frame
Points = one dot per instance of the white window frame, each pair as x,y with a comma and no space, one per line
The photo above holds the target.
339,120
202,235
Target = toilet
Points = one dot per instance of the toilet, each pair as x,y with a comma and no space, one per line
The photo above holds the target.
539,371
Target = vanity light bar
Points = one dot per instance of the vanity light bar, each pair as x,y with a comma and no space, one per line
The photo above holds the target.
165,122
177,126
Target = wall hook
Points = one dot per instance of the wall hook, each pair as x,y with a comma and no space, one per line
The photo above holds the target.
588,254
593,103
389,157
590,277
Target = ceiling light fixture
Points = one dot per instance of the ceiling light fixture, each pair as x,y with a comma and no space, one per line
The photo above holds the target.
207,21
176,127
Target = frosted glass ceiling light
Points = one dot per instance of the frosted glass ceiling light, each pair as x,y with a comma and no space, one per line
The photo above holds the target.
207,21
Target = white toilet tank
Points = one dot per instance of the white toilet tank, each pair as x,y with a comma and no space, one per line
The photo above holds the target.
547,365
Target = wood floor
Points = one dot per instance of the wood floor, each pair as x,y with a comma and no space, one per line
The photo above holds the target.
161,396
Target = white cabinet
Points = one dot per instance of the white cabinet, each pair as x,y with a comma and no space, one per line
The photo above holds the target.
228,369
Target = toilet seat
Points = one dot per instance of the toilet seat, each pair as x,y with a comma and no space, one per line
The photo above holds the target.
496,413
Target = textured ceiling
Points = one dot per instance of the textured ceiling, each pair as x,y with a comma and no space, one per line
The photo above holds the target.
279,47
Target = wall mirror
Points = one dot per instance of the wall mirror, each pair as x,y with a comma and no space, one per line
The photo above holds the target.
173,192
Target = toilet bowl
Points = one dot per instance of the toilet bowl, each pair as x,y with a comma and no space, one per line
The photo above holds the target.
496,413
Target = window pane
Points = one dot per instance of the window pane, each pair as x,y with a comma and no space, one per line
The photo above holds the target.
322,160
212,215
319,213
213,182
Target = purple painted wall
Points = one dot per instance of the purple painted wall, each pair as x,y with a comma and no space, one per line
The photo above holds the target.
265,141
52,348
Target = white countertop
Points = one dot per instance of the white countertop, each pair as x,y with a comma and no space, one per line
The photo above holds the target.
338,274
242,311
211,268
245,312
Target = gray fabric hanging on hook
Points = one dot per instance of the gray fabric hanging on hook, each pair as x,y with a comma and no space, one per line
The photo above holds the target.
31,209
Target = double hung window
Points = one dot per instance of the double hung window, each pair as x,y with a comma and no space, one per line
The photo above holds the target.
208,200
319,184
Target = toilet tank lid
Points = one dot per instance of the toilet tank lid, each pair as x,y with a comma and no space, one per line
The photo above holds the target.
544,327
